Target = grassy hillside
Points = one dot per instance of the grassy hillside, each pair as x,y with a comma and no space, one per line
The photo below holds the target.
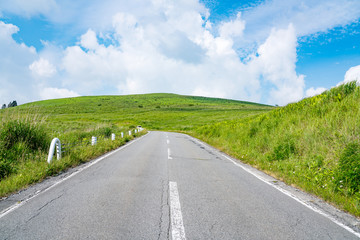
154,111
313,144
27,130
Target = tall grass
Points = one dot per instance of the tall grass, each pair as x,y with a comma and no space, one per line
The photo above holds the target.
313,144
24,145
26,130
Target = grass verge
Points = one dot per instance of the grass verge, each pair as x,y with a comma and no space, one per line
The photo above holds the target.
313,144
24,148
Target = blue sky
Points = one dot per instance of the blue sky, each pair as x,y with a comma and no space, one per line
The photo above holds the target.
272,52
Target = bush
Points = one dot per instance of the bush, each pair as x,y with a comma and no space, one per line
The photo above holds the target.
17,140
348,172
16,131
5,168
283,150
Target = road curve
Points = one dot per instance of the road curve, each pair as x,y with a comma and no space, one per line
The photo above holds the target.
165,186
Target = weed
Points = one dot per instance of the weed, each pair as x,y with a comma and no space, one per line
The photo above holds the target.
283,150
348,172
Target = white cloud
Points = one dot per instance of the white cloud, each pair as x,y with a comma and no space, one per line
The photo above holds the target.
43,68
15,77
353,74
53,93
277,62
314,91
173,54
233,28
89,40
167,46
307,16
28,8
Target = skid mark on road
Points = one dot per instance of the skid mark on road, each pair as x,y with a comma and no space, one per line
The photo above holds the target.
177,225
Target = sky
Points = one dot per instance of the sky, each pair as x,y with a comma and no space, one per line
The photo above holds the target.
267,51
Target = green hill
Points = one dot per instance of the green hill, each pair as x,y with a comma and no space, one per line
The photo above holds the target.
153,111
313,144
27,130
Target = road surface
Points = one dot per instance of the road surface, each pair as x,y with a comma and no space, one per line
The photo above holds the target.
165,186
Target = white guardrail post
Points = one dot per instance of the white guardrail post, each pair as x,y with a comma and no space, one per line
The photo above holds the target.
54,142
122,134
129,133
93,140
113,136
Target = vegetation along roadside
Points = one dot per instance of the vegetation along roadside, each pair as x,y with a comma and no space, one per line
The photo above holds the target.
313,144
26,130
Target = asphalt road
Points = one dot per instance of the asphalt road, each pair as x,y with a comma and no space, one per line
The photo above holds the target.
166,186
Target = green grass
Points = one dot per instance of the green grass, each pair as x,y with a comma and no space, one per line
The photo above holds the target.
313,144
75,120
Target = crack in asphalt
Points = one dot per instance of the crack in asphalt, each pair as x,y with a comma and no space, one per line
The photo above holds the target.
161,209
38,212
164,208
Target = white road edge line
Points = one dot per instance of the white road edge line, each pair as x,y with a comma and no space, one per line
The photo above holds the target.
169,154
19,204
177,225
319,211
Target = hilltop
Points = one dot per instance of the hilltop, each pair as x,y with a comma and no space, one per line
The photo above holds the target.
153,111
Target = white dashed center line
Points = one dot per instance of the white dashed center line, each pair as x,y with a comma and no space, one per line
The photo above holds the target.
177,226
169,154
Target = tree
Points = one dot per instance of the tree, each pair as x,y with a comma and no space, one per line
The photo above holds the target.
3,106
12,104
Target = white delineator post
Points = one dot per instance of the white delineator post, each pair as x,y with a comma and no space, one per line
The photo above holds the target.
129,133
113,136
93,140
122,134
55,142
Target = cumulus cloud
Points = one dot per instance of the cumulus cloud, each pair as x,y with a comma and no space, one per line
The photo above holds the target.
169,46
15,77
233,28
53,93
314,91
43,68
353,74
173,54
89,40
277,62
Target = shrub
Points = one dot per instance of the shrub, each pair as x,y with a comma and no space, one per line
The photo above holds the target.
348,172
17,139
283,150
16,131
5,168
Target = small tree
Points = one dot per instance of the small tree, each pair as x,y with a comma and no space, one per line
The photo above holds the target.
3,106
12,104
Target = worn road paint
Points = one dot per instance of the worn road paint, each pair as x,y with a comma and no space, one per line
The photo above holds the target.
169,154
177,225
